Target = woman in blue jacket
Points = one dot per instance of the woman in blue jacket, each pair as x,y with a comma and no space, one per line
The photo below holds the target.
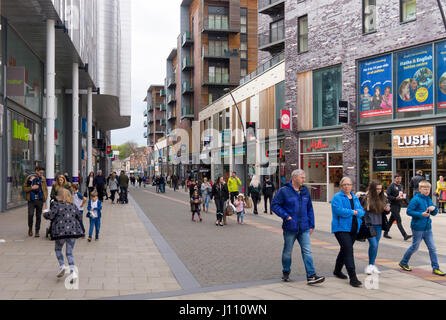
347,213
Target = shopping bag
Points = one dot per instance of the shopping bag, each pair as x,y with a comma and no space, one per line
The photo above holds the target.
248,202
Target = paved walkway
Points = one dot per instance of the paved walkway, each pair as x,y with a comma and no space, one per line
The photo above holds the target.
132,261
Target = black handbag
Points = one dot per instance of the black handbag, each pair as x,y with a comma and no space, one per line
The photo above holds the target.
366,230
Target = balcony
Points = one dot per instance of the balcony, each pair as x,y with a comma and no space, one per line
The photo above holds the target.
271,7
273,40
149,107
162,122
145,112
187,87
146,135
187,112
172,115
218,26
171,98
163,93
150,118
218,80
162,107
264,67
187,63
219,53
171,82
145,124
187,39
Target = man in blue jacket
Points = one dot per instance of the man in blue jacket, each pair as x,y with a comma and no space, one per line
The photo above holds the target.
421,208
293,204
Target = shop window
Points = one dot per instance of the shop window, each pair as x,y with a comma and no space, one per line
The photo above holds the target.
368,16
375,158
441,151
408,10
327,91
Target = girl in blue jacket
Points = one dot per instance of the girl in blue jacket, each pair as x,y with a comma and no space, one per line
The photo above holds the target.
421,208
347,214
94,214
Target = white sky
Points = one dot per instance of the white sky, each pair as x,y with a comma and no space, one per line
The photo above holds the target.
155,28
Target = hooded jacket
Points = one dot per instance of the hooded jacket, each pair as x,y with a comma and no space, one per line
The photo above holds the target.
297,205
417,206
342,213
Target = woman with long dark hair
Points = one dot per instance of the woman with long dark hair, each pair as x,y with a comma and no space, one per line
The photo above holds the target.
220,194
376,208
90,183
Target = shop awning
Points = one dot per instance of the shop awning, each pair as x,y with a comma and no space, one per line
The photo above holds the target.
106,113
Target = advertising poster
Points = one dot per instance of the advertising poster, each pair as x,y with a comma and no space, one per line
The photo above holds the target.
376,87
441,74
415,79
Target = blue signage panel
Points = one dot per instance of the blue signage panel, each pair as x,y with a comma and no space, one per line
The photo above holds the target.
441,74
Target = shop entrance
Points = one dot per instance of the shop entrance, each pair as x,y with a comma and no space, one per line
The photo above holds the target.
407,168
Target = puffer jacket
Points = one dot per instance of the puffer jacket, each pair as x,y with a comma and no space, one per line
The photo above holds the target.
65,221
342,213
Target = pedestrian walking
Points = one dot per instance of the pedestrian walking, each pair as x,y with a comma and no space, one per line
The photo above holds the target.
293,204
220,194
395,194
123,185
139,181
206,191
233,183
441,194
254,191
65,229
90,183
376,208
195,202
347,214
415,181
99,184
240,205
36,192
61,182
268,193
162,183
144,180
421,208
94,214
79,201
114,186
175,182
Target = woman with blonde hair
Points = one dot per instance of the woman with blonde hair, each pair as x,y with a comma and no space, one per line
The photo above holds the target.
61,182
65,228
254,191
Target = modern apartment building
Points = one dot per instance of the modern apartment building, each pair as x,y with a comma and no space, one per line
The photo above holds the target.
156,114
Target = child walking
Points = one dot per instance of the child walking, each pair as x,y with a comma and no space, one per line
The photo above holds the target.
94,213
421,208
195,202
240,206
79,201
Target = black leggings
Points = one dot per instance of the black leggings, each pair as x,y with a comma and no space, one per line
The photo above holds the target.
220,204
345,257
395,216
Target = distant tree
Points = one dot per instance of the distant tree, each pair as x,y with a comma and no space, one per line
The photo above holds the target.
126,149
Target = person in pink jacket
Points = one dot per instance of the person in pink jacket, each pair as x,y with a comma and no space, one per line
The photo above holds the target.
240,206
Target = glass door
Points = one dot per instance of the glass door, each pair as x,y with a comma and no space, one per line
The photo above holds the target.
408,167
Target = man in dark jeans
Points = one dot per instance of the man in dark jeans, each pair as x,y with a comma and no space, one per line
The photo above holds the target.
415,181
268,192
100,183
395,195
124,184
36,194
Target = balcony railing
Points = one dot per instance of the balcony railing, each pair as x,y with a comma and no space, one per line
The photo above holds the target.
219,52
149,118
187,87
149,107
145,112
187,112
171,115
271,37
162,93
145,135
162,122
217,25
220,79
262,68
171,82
171,98
187,38
271,6
187,63
162,107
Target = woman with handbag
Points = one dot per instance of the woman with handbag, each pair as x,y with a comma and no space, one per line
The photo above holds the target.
441,194
347,215
220,194
376,207
254,191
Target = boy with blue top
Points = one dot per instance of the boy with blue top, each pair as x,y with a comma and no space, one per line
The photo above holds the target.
421,208
94,213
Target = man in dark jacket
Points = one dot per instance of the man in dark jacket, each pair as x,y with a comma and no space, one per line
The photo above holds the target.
293,204
99,183
395,195
268,192
415,182
124,184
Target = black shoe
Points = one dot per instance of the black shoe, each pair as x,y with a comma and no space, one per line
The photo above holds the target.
340,275
355,283
315,279
386,235
407,237
265,212
285,276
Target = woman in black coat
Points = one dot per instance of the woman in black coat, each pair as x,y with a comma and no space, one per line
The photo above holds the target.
220,194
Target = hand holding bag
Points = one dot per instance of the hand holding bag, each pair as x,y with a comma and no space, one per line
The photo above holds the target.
366,230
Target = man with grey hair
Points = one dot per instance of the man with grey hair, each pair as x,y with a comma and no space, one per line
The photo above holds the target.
293,204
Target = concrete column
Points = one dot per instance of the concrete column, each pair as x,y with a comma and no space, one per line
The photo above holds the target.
90,131
50,102
75,123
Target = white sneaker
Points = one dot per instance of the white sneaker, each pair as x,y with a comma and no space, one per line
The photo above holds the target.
61,272
369,269
375,270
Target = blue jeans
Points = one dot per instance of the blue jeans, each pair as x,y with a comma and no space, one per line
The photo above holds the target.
162,188
304,241
240,216
374,243
207,199
428,238
94,223
69,251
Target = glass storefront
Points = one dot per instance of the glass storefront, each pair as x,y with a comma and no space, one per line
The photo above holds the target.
321,159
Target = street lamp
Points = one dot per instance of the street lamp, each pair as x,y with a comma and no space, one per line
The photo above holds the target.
245,145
